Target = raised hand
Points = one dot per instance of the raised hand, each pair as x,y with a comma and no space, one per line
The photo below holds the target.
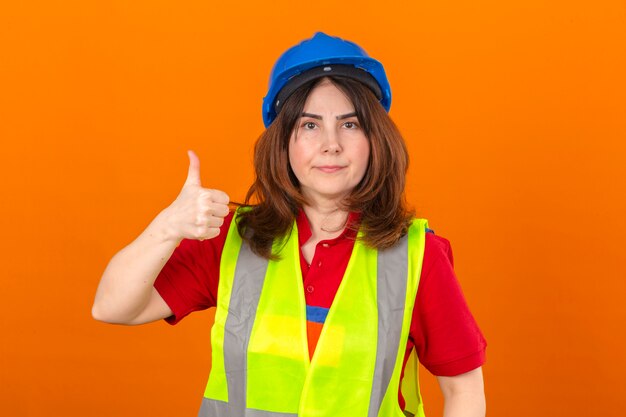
197,212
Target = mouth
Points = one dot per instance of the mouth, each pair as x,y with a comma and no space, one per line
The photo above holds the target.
329,169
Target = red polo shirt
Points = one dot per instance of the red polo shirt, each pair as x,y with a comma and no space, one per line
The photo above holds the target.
446,337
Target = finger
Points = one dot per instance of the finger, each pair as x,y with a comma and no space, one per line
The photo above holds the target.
214,196
207,219
220,197
193,175
218,209
212,232
214,221
207,233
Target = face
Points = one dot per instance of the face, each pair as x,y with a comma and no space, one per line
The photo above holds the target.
329,152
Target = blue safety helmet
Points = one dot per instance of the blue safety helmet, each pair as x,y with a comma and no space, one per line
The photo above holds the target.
320,56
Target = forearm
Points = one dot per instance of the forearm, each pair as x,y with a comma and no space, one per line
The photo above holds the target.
127,282
126,292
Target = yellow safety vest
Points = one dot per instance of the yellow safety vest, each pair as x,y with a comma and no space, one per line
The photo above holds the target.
260,357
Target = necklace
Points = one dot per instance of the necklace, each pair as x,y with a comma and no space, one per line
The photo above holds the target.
325,227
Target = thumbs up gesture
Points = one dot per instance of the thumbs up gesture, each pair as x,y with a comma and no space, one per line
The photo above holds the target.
197,212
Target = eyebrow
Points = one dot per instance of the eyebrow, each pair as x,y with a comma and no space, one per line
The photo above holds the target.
318,117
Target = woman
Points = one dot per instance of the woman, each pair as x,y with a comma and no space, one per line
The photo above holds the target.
324,283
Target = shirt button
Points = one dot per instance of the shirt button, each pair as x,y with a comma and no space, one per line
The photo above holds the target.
325,245
310,289
319,264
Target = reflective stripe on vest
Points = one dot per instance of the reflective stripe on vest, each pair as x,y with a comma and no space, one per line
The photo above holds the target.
260,362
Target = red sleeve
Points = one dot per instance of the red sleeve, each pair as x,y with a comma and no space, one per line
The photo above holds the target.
446,337
188,281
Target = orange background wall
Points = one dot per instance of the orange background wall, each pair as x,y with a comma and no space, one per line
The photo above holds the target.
514,113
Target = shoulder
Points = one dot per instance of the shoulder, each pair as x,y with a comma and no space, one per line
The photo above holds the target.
437,248
437,275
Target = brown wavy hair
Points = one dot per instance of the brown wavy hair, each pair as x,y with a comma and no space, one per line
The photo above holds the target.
274,198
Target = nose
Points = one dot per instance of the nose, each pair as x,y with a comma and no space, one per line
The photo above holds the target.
331,142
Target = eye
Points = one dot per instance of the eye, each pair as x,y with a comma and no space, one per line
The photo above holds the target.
351,125
309,125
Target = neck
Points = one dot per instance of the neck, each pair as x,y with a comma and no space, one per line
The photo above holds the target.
326,222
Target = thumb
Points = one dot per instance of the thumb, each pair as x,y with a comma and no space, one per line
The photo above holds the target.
193,175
